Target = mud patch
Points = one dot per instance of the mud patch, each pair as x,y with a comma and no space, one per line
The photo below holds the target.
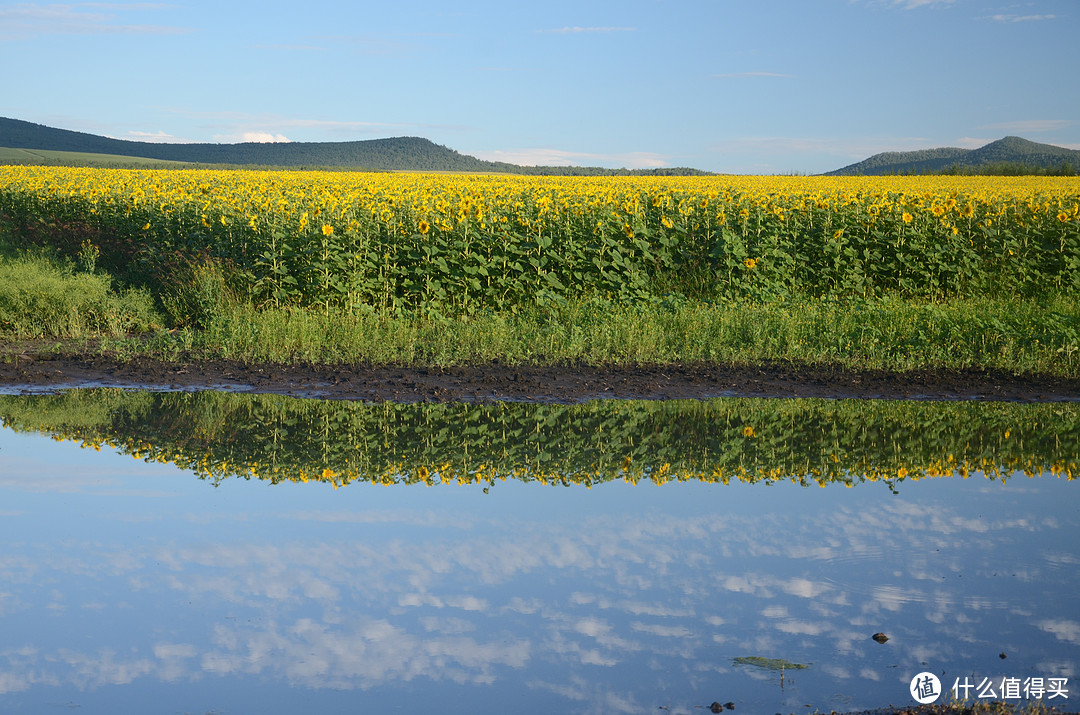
561,383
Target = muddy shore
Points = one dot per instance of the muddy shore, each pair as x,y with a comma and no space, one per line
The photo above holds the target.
36,372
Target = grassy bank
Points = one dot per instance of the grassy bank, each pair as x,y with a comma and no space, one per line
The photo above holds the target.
889,334
46,297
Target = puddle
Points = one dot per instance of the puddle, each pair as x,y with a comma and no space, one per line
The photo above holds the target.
215,552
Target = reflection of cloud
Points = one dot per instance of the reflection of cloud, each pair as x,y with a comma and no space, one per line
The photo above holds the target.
1057,669
591,627
594,695
805,588
453,626
894,598
387,610
104,668
662,631
369,652
1068,631
797,627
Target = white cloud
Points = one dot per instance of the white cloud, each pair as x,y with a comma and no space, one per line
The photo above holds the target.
28,19
158,137
853,147
972,142
752,74
1031,125
578,30
290,48
913,4
264,137
559,157
232,126
1022,18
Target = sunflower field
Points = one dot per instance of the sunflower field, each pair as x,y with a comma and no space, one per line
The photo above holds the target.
401,242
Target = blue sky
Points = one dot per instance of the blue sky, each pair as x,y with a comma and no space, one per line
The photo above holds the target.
770,86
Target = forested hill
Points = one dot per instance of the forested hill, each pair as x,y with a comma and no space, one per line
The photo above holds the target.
395,154
380,154
1012,153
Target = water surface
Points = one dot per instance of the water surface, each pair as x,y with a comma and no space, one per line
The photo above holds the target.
607,557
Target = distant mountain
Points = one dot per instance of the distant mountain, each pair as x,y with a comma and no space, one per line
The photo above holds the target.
377,154
1004,153
395,154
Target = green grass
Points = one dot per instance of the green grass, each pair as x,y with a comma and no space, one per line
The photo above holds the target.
898,335
43,297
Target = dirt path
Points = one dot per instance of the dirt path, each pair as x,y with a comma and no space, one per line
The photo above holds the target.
36,373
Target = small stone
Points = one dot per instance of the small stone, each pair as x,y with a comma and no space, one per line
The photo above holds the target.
1003,656
716,707
880,637
729,705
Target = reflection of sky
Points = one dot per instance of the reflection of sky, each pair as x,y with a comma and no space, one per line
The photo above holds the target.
130,583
